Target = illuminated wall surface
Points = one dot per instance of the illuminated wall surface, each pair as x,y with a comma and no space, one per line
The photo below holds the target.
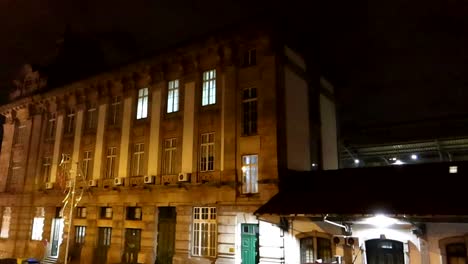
156,182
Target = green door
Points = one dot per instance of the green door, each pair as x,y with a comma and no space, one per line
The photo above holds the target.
166,235
249,241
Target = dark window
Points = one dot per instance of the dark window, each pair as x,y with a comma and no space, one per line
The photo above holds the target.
81,212
115,113
134,213
249,58
249,111
106,212
80,233
456,253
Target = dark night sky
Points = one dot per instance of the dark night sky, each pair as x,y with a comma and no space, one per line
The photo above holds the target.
391,61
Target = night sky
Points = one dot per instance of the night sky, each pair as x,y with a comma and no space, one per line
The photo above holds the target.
390,61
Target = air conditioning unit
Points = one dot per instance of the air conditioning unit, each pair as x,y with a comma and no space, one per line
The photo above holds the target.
344,240
118,181
184,177
49,185
148,179
69,184
92,183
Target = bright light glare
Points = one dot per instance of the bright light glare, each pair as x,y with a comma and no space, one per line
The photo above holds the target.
381,221
356,161
453,169
398,162
414,157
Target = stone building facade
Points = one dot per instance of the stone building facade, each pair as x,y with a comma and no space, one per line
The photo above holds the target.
169,157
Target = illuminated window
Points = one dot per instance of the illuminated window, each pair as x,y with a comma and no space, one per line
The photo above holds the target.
207,152
70,123
50,130
249,111
114,111
5,227
86,165
46,165
80,233
142,106
170,147
173,96
249,58
110,162
91,121
138,155
250,174
205,232
315,250
209,88
38,224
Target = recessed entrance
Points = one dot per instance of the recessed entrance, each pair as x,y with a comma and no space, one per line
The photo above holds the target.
384,251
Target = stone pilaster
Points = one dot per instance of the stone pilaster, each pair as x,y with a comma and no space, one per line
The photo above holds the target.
77,139
125,137
56,157
33,156
189,128
99,142
154,131
5,155
183,229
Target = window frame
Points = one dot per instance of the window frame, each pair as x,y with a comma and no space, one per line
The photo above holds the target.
111,161
209,88
169,156
315,248
247,56
249,108
134,213
87,164
71,121
173,96
115,112
20,134
106,212
250,171
5,223
207,151
142,107
51,126
81,212
211,225
138,156
91,117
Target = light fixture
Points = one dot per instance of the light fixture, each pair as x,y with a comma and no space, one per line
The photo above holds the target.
314,164
414,157
398,162
380,220
356,161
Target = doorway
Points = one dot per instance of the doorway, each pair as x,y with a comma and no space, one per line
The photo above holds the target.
166,235
56,237
132,245
249,243
103,244
384,251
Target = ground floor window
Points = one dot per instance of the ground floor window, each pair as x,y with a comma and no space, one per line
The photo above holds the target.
315,249
456,253
205,231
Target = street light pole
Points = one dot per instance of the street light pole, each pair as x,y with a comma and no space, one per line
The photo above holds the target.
70,214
